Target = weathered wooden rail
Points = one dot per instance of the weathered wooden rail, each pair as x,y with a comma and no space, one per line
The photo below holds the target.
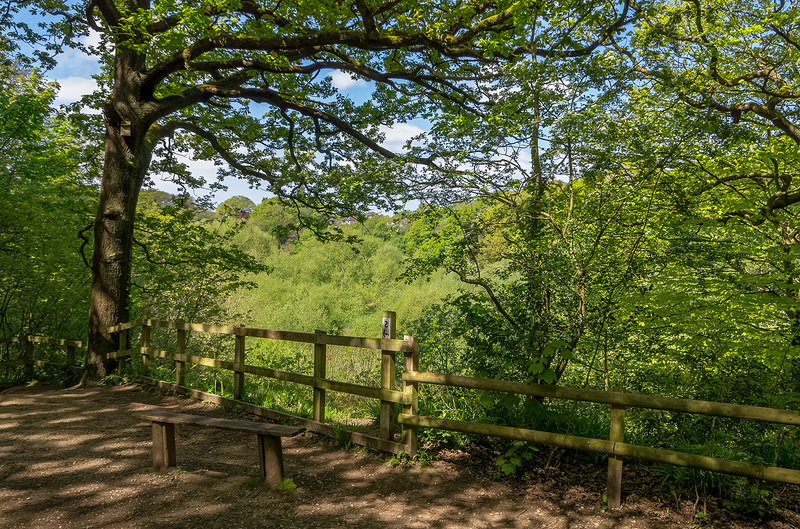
27,358
387,393
614,447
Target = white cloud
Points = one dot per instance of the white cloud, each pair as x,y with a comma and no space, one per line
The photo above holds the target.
77,63
92,39
73,88
525,161
208,170
399,134
343,80
74,73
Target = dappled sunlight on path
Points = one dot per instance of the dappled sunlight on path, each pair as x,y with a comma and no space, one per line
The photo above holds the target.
77,458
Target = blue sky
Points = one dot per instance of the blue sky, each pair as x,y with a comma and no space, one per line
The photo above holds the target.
74,75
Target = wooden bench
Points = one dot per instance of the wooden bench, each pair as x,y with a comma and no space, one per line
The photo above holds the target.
270,454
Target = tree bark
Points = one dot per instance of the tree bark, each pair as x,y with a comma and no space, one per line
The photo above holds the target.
127,159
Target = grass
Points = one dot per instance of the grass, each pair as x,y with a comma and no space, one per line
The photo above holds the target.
286,486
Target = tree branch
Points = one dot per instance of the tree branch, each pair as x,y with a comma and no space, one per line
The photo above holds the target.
108,10
175,125
785,36
267,95
495,301
607,34
84,244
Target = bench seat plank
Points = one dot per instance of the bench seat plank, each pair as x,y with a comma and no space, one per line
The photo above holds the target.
279,430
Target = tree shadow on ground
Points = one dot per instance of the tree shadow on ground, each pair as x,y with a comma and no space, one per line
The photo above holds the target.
77,458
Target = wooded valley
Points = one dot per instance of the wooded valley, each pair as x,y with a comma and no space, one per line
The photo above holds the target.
603,195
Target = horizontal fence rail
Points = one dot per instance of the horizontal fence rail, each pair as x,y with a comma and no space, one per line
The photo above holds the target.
614,447
27,360
42,339
783,475
286,376
717,409
300,337
387,393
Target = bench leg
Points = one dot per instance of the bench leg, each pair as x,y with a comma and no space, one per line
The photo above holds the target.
163,445
270,458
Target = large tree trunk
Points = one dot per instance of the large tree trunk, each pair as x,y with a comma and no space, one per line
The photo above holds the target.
111,262
127,158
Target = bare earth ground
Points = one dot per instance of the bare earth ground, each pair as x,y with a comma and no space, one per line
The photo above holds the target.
76,458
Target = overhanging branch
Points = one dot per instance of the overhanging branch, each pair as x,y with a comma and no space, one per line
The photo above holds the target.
269,96
175,125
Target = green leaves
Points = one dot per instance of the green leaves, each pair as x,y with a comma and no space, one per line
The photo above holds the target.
186,268
237,207
46,198
515,458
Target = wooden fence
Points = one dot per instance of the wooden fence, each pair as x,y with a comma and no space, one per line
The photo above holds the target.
387,393
614,447
27,358
408,395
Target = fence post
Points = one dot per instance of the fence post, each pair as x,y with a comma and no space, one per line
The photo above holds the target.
123,345
180,365
238,359
617,435
70,355
411,363
145,343
320,372
28,357
388,372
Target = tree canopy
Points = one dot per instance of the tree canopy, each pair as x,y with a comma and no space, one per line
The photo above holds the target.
594,174
45,204
208,77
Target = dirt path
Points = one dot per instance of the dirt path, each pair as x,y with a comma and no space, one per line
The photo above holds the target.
76,458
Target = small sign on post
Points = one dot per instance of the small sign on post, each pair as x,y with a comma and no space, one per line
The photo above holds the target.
388,371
